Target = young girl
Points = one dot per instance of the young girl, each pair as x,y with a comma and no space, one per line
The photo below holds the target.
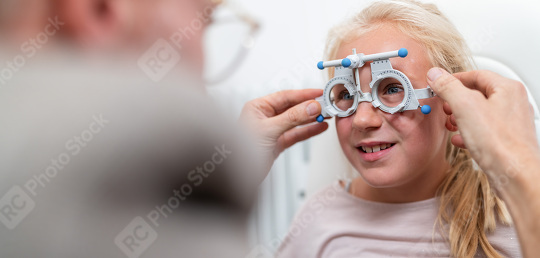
416,194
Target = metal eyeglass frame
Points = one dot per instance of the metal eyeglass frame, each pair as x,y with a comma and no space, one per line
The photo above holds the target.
381,69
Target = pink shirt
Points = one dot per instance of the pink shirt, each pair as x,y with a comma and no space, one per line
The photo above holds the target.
334,223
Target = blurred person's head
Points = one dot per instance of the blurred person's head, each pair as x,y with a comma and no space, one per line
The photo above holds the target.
409,152
167,156
99,148
110,26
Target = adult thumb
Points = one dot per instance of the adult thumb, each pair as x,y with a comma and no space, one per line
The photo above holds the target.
446,86
300,114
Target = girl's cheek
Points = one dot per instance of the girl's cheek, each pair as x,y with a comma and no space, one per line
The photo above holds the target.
399,119
343,125
339,123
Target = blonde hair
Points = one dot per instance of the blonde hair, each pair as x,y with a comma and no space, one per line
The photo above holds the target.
469,207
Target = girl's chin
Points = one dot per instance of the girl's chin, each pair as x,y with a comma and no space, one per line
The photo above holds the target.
382,179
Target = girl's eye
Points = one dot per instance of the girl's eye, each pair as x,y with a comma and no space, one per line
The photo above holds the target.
345,95
393,89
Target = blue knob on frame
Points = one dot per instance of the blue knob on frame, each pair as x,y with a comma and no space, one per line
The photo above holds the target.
346,62
403,52
320,118
426,109
320,65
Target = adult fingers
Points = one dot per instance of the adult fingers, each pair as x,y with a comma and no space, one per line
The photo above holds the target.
448,87
458,141
300,114
447,109
482,80
299,134
451,126
279,102
452,119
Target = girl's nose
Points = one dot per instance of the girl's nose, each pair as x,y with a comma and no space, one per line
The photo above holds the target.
366,117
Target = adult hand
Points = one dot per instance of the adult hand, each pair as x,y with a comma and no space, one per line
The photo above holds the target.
493,114
495,120
274,119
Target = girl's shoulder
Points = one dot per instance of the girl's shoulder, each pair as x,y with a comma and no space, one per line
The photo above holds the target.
505,240
313,222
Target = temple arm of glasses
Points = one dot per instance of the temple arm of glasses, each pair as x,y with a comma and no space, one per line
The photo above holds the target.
425,93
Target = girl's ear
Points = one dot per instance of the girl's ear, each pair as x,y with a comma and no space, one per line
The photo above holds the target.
95,23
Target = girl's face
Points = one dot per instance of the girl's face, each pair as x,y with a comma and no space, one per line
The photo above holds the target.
414,144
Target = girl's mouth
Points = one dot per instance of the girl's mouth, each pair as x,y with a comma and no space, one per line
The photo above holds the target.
374,152
375,148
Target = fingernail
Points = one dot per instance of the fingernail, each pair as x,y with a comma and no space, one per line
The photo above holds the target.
434,73
312,109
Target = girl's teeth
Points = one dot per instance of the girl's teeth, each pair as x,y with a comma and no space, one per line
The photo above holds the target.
376,148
